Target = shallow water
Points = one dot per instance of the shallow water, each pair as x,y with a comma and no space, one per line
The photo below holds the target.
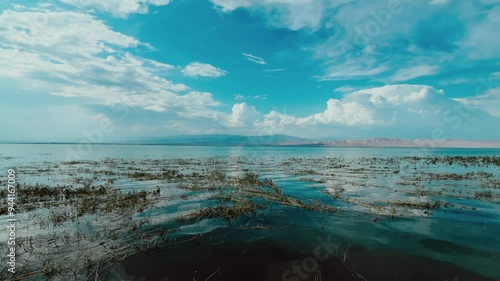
402,242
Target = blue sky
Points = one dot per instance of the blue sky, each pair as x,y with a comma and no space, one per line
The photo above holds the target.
310,68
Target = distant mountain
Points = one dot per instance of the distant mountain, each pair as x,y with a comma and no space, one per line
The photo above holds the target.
390,142
284,140
236,140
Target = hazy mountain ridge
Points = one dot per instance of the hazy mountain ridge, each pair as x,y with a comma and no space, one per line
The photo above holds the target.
222,140
395,142
285,140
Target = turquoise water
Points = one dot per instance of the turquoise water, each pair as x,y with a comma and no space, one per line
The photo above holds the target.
465,235
61,152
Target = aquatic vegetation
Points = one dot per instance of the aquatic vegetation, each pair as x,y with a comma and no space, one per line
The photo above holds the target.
488,195
305,172
317,206
419,205
217,175
248,179
115,208
240,208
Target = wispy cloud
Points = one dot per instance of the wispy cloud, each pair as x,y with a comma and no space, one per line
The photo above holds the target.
118,8
254,97
457,81
254,59
345,89
275,70
415,72
239,97
353,70
488,102
292,14
259,97
86,60
197,69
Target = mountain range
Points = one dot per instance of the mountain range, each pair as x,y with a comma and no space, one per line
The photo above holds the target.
285,140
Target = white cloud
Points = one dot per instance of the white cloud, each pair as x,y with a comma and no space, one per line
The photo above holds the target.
255,59
259,97
255,97
398,94
382,106
457,81
488,102
292,14
118,8
243,115
81,36
344,89
276,121
85,59
485,80
413,72
365,39
369,38
197,69
353,70
239,97
275,70
344,112
478,33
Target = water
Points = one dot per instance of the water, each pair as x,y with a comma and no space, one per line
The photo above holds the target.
459,238
62,152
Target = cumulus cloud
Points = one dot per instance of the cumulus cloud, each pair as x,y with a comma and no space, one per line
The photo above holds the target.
197,69
415,111
118,8
243,115
381,106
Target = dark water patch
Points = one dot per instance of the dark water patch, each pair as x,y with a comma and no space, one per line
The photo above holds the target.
289,259
451,248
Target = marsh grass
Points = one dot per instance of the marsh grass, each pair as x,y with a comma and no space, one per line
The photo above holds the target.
228,213
90,224
488,195
46,254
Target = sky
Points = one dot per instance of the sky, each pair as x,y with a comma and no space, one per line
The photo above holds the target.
321,69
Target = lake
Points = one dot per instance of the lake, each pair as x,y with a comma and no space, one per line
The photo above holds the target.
255,213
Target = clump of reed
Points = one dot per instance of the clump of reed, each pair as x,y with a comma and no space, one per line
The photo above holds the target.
228,213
